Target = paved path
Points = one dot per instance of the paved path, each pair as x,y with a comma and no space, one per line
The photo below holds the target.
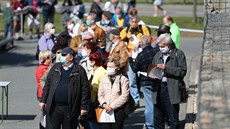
18,66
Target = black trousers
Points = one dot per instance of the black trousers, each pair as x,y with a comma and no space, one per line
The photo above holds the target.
119,120
165,108
59,119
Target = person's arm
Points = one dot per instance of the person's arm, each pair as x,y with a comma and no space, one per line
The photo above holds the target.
85,91
124,55
136,65
44,77
181,69
101,93
42,44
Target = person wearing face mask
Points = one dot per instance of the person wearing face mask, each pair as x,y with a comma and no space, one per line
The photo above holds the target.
141,64
118,50
96,75
48,38
126,35
98,32
105,21
88,48
66,93
172,62
113,93
120,19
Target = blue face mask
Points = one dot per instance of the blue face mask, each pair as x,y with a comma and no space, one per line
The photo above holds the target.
63,59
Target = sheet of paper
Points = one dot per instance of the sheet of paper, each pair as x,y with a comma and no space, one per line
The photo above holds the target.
155,73
107,117
134,40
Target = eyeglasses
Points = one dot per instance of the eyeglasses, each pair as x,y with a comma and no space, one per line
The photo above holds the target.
58,52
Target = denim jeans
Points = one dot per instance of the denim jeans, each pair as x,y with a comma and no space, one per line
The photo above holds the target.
149,110
164,107
133,85
7,27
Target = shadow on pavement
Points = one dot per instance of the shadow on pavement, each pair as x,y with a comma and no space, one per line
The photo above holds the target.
18,59
135,120
21,117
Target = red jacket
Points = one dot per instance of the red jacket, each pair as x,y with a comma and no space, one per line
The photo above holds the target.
41,69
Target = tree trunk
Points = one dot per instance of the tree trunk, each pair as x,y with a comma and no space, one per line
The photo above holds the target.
194,20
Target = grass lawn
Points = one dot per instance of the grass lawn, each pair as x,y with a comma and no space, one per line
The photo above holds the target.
182,22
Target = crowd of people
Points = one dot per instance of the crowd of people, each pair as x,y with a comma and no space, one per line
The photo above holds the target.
101,61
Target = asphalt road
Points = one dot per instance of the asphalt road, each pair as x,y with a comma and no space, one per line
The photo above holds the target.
18,65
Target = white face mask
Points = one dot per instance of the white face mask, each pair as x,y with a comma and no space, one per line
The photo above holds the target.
84,53
164,50
52,31
111,71
70,27
7,4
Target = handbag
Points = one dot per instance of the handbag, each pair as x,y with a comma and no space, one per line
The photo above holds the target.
129,106
183,92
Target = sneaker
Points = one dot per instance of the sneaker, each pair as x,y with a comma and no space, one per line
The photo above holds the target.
154,15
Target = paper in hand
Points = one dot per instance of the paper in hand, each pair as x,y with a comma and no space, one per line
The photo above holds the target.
154,73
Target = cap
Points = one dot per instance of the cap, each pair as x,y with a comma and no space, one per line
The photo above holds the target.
164,28
115,31
107,14
68,50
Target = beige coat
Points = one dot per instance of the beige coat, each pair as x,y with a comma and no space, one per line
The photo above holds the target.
115,95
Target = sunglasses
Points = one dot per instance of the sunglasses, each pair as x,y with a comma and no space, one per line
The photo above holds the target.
89,39
64,54
58,52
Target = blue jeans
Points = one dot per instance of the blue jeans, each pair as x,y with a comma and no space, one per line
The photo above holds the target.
149,110
133,85
7,27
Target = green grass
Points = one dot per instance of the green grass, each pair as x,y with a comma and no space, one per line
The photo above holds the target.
182,22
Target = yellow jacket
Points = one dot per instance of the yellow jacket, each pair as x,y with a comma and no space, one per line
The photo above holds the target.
142,30
97,76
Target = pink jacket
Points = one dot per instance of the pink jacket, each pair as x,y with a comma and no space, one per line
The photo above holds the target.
114,95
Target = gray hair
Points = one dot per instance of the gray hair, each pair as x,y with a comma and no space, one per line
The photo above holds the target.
47,27
165,37
145,40
93,16
87,34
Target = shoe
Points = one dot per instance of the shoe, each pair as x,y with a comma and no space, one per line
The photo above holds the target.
154,15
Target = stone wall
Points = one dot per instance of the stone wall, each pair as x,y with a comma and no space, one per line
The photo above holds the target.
214,83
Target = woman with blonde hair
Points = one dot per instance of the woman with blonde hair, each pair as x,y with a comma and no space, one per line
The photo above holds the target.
45,60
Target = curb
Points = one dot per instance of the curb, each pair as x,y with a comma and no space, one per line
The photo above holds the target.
192,93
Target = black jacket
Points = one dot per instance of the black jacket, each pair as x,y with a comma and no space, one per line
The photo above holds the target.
79,91
142,62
